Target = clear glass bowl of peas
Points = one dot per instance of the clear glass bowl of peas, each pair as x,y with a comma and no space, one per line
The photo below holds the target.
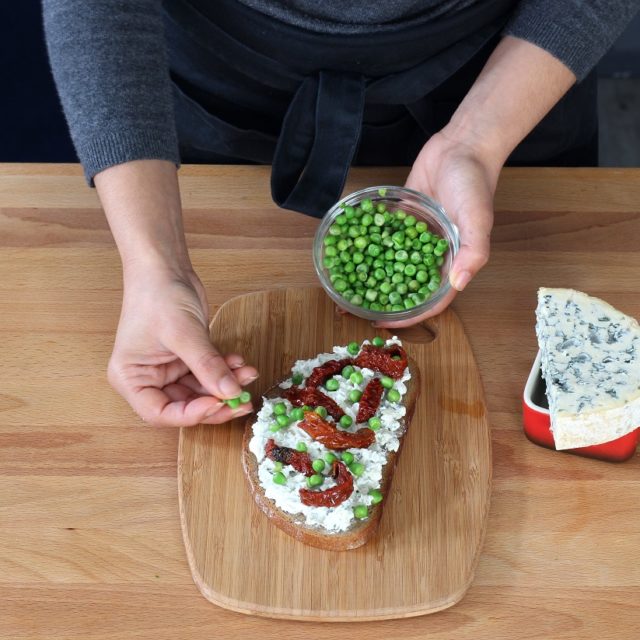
384,253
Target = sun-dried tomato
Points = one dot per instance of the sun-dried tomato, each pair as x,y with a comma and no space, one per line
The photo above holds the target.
299,460
370,400
331,437
381,359
314,398
333,496
326,370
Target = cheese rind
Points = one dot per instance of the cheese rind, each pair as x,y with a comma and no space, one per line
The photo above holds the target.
590,358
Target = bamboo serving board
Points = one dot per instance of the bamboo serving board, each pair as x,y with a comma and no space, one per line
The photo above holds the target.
422,558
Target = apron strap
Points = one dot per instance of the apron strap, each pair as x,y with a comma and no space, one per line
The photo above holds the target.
319,137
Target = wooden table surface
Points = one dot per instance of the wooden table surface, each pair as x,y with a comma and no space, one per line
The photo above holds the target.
90,543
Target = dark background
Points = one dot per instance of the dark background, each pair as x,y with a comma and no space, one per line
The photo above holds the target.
33,128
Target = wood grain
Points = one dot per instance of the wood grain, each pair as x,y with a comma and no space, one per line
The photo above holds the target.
423,557
90,541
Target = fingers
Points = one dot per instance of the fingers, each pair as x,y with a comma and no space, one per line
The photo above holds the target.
207,365
475,232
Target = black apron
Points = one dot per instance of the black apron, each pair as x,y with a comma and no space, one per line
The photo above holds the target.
249,88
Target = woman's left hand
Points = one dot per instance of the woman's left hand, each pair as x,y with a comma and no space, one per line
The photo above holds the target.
463,181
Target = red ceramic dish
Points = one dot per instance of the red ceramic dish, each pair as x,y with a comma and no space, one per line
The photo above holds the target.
537,424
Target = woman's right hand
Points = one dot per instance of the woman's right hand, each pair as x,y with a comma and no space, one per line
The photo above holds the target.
163,362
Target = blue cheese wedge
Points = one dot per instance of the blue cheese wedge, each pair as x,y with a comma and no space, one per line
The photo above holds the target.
590,358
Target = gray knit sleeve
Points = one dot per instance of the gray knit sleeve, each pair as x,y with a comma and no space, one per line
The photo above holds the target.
109,62
577,32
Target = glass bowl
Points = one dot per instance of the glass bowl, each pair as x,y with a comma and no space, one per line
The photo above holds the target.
412,202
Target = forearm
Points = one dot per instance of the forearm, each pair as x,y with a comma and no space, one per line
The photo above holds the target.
519,84
141,200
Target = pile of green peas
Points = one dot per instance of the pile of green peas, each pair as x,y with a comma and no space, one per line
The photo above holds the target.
383,260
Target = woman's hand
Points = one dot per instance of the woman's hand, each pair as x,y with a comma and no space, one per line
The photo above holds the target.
457,176
163,362
459,166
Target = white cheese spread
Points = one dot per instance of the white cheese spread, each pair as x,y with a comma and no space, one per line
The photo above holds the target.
286,496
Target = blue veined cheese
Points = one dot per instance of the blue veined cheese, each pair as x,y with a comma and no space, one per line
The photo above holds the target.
590,359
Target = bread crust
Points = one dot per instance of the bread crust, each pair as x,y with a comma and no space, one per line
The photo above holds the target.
361,531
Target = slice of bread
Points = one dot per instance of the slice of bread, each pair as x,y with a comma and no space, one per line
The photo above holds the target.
359,531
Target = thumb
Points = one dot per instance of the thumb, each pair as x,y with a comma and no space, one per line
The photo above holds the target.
470,259
207,365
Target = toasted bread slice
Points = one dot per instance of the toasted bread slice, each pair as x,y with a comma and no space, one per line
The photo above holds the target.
359,531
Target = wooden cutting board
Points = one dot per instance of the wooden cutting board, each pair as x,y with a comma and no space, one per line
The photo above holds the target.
424,555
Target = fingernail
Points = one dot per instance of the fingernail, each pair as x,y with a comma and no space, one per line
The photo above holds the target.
229,386
460,280
237,365
252,378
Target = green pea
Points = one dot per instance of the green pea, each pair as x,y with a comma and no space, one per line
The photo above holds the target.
340,285
375,423
346,421
427,248
279,478
422,276
394,297
429,260
371,282
367,205
371,295
361,511
329,240
410,270
347,457
393,395
347,371
397,278
397,307
360,243
400,214
385,287
402,288
280,409
383,299
440,261
349,211
335,230
315,480
367,219
376,306
297,378
283,420
402,255
433,285
398,239
331,251
374,250
353,231
332,384
357,299
318,465
378,219
421,226
353,348
386,382
355,395
416,257
356,377
233,403
413,285
382,193
409,221
376,496
245,397
297,413
301,446
357,468
275,427
378,342
398,267
330,458
411,233
409,303
278,466
321,411
306,407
